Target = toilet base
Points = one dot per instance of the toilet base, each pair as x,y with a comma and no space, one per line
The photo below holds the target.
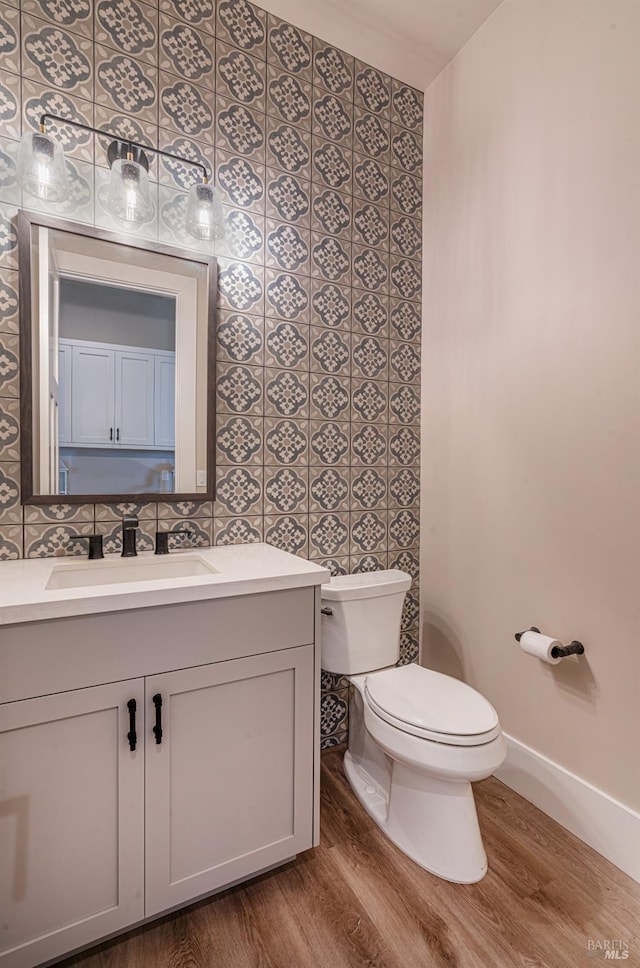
432,821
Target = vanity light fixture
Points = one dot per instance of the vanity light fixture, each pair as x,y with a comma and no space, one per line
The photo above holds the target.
41,168
129,198
42,172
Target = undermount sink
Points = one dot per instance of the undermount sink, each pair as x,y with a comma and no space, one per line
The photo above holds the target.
127,570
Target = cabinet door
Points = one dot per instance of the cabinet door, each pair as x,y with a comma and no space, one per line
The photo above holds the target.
165,402
71,821
229,790
134,398
92,417
65,353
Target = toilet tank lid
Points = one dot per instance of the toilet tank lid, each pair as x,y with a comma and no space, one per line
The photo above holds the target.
371,584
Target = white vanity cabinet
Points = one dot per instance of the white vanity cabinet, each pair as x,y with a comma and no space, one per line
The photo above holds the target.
71,822
220,767
96,837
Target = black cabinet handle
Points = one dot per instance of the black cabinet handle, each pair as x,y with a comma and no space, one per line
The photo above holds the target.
118,433
110,433
132,736
157,729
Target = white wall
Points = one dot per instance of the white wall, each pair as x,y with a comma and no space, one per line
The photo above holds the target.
96,471
106,314
531,420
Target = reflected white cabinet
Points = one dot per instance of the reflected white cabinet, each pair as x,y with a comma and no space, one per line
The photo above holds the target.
71,823
118,397
92,395
165,400
134,398
64,387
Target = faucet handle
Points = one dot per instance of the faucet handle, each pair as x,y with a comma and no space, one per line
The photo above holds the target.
95,545
162,539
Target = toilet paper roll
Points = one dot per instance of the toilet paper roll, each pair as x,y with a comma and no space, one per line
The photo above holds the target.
540,645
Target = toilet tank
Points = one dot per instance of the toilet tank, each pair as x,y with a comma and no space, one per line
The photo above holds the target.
363,631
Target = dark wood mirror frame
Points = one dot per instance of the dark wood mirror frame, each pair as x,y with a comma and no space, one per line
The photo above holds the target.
26,221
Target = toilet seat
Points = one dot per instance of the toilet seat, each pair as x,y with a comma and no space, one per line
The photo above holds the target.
432,706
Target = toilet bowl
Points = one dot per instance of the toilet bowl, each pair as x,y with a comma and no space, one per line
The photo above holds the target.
417,738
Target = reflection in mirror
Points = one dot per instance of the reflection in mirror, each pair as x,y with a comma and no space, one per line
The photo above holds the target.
115,389
116,394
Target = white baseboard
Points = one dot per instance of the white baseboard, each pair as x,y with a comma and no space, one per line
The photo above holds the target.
607,825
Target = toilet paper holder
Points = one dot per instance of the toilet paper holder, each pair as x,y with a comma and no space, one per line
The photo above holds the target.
558,651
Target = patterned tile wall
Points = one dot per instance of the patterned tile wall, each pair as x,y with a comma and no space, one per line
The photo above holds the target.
318,157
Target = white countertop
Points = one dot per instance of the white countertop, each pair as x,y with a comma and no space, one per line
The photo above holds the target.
239,570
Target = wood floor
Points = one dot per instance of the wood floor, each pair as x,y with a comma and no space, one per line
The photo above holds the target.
357,900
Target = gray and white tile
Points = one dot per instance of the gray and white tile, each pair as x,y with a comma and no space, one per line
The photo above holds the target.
288,148
288,98
286,490
329,443
243,25
186,52
238,491
239,530
241,181
10,37
240,338
290,532
72,15
129,27
333,69
239,439
199,14
288,198
286,442
330,304
289,48
240,77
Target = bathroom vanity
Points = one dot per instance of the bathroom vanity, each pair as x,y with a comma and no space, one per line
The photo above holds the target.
159,736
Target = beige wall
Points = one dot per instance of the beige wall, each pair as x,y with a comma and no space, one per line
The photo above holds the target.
531,472
409,39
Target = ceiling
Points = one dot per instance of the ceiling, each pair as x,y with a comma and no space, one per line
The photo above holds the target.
412,40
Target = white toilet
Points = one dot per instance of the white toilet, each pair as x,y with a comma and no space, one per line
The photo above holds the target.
417,738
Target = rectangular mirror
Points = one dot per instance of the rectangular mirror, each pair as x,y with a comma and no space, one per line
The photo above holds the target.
117,366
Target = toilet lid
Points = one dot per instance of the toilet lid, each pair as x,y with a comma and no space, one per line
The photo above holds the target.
429,704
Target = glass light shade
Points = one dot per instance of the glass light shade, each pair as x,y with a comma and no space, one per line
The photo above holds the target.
205,219
129,197
41,168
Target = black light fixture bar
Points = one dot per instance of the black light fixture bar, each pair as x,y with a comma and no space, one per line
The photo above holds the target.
115,150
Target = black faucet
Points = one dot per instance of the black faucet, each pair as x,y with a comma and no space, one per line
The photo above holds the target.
129,526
